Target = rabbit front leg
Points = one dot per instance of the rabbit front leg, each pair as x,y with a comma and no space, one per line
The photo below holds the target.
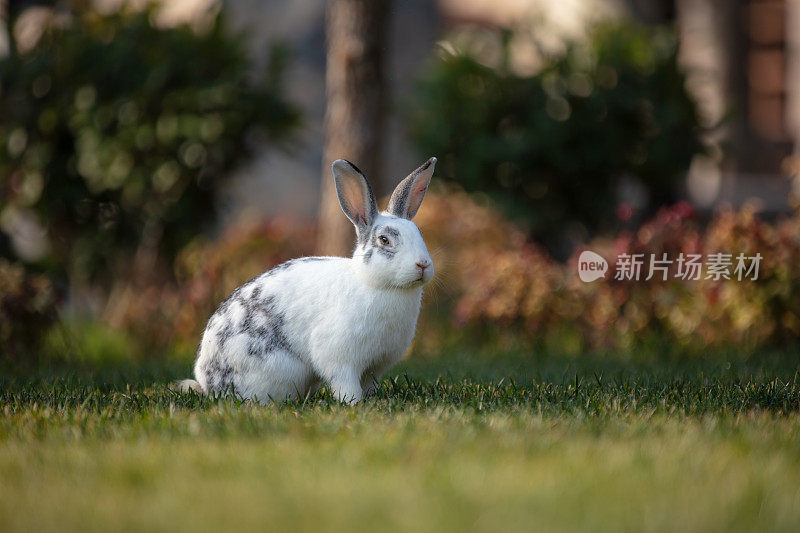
370,383
346,386
371,379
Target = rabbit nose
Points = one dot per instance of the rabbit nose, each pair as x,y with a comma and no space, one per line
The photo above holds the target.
423,264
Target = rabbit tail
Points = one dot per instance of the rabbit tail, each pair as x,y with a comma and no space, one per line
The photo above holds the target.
189,384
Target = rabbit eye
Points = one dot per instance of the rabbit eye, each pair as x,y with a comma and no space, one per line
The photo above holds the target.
384,240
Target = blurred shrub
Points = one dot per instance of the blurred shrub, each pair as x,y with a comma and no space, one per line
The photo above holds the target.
552,149
499,283
92,343
116,133
27,311
174,315
492,285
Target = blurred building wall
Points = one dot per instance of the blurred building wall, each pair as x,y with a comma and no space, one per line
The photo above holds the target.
741,64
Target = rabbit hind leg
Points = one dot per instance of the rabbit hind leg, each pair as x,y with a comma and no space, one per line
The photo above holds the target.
279,375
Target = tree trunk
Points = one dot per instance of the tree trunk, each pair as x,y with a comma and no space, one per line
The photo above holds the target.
356,36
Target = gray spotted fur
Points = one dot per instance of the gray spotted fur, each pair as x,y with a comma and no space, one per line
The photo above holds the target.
263,324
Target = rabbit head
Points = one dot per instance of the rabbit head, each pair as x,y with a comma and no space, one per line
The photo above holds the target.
390,251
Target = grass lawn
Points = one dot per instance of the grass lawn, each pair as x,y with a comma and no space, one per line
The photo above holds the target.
451,443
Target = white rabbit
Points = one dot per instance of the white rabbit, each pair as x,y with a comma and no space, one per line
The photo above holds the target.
342,321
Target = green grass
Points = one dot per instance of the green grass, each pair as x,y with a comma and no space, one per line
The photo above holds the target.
460,442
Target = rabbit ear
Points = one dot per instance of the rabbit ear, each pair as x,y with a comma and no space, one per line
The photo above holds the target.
355,195
408,195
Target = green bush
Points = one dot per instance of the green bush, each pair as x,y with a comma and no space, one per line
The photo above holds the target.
551,149
116,133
